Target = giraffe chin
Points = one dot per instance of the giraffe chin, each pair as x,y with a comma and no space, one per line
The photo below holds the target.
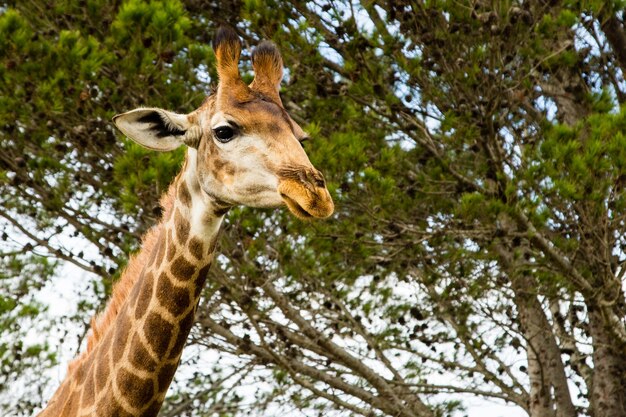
305,204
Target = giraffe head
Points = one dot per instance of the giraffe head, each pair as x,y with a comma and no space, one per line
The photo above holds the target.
247,149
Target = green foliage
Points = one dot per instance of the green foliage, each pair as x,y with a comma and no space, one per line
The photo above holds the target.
467,147
137,167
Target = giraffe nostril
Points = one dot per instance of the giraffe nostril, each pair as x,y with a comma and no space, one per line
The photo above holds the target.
310,178
315,178
318,179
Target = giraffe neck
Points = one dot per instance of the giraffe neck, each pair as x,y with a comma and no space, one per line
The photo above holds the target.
130,368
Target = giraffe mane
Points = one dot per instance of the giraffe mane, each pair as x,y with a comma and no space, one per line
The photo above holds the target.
101,322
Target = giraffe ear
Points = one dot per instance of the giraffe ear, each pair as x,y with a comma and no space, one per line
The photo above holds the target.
268,70
158,129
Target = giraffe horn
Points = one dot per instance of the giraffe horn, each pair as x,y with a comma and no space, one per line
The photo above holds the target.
268,70
227,47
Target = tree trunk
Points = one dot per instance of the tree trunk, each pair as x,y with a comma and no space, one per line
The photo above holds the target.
549,393
608,391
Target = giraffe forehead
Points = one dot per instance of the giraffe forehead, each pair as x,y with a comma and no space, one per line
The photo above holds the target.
257,115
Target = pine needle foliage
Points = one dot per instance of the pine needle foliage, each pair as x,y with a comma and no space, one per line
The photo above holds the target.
477,156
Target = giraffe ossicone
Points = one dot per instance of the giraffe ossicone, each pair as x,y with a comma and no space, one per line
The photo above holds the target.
242,149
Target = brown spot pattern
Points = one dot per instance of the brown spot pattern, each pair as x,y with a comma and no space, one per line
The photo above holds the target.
88,397
122,329
113,408
196,248
152,256
144,297
212,246
219,164
166,373
134,294
137,391
202,276
184,327
175,299
71,406
158,333
139,356
195,187
183,194
79,374
153,410
171,246
274,129
105,344
160,252
182,228
102,373
182,269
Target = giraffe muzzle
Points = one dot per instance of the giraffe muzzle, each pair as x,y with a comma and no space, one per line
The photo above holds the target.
305,194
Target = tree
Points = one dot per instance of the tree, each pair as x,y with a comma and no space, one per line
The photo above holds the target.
476,154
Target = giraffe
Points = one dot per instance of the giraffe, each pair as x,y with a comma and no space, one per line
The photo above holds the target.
242,149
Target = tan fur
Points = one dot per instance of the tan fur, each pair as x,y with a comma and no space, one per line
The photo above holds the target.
102,321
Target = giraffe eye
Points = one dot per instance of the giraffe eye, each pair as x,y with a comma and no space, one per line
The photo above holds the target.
224,133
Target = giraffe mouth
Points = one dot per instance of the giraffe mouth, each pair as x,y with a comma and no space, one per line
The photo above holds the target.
296,208
306,201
